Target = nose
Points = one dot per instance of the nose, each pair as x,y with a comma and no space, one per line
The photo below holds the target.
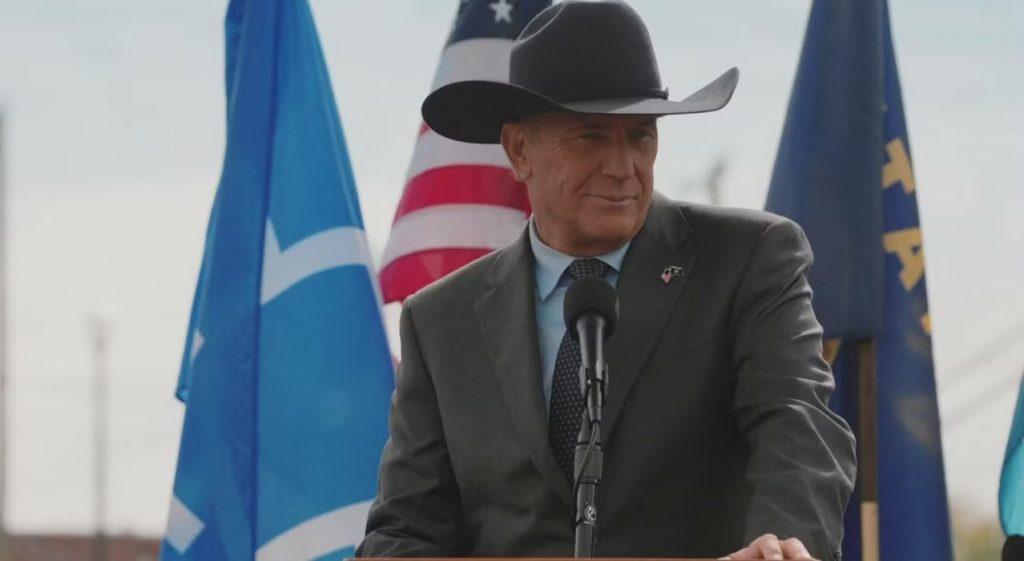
618,159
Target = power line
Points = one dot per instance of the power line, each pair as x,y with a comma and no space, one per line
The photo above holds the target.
995,348
968,410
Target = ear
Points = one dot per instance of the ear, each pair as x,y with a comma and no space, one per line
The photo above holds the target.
513,140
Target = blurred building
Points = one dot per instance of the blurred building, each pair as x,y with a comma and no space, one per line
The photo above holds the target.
70,547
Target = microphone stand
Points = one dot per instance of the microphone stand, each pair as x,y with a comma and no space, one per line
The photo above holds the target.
589,460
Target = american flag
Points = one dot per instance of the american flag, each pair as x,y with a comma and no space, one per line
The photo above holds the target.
461,201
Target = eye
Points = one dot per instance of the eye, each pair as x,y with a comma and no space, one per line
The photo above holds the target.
641,134
590,136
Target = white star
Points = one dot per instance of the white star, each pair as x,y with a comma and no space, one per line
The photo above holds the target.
502,11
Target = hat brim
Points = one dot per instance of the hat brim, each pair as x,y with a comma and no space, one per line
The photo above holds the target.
475,110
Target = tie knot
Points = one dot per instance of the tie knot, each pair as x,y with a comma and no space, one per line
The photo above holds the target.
583,268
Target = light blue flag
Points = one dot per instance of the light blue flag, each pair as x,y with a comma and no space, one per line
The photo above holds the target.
287,375
1011,485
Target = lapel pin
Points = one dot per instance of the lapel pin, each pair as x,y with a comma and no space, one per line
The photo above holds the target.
671,272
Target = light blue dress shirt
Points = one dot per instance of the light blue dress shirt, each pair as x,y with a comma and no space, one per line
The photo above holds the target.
551,284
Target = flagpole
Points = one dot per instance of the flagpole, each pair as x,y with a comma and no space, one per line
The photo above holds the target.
867,438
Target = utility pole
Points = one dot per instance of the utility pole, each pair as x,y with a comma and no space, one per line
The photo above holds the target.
98,333
713,183
3,347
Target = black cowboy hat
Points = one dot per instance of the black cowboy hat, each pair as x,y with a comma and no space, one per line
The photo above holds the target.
577,56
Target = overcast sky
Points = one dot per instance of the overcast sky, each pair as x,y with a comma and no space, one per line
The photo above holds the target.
115,118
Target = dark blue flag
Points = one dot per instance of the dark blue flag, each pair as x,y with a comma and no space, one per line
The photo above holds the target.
844,172
286,376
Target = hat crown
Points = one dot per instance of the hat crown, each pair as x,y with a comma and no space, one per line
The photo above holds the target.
579,50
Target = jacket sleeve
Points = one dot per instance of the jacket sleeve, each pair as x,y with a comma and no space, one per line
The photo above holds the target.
802,455
417,511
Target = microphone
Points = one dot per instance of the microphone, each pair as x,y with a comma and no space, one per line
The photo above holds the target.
591,311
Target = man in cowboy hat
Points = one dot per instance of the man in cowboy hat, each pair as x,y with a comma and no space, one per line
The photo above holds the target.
716,431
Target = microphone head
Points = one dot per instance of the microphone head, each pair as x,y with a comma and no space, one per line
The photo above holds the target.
591,295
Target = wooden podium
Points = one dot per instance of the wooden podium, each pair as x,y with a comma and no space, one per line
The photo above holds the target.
537,559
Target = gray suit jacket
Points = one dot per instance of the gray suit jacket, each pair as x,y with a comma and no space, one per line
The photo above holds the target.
716,426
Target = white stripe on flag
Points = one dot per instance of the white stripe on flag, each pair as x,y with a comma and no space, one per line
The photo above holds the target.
474,59
318,536
336,247
454,226
183,527
197,344
434,151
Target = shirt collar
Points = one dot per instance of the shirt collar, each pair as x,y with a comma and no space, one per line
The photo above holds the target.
550,263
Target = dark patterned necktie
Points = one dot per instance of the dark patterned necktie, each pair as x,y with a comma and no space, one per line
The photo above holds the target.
567,405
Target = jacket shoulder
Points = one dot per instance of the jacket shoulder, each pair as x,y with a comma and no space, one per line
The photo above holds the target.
724,220
737,234
461,285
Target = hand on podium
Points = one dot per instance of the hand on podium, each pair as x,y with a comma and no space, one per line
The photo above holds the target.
769,546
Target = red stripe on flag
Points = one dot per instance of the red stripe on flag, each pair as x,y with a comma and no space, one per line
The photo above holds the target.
485,185
405,275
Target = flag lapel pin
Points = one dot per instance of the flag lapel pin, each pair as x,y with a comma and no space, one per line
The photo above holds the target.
671,272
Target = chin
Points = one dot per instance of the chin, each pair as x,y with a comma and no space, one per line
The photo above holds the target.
612,230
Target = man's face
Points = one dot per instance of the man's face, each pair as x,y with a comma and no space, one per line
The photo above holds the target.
589,177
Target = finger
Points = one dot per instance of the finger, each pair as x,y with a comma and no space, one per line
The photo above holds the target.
794,548
749,552
769,547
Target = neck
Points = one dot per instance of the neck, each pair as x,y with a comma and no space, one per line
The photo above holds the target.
575,247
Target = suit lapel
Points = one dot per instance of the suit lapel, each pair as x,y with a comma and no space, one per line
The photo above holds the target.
508,321
645,299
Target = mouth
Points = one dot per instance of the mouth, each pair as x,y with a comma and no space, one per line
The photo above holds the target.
615,200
